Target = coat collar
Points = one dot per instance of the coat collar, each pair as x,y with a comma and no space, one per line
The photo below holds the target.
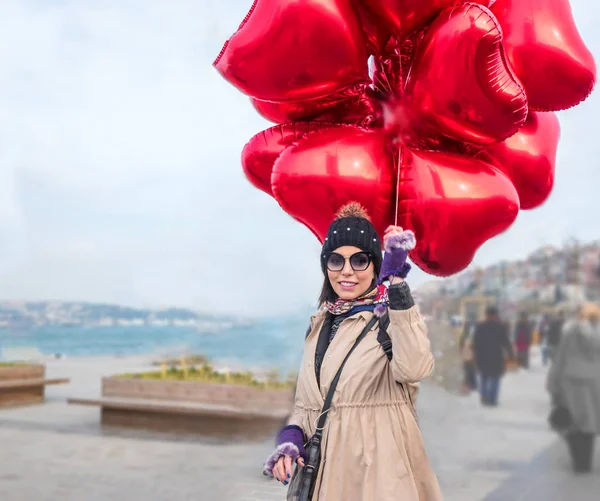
310,347
316,323
320,316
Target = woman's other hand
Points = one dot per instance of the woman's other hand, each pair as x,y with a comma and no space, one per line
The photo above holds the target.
283,469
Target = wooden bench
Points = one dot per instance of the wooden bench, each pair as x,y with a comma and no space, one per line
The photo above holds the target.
29,391
186,417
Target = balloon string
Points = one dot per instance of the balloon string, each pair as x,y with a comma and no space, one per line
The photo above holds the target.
398,186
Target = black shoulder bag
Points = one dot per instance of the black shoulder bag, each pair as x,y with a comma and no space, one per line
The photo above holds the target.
303,482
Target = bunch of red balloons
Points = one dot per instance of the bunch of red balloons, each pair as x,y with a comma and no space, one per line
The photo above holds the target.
436,115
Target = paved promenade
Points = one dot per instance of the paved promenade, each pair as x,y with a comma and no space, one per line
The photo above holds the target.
59,452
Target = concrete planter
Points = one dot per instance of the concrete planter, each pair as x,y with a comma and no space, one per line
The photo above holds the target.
17,396
196,407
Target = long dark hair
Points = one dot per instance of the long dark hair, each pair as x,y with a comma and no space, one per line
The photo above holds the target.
329,295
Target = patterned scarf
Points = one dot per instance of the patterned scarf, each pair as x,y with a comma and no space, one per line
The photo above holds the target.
375,297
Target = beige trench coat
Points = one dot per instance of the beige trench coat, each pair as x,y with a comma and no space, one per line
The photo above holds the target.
372,448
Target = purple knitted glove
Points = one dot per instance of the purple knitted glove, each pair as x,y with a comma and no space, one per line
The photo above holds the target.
397,246
290,442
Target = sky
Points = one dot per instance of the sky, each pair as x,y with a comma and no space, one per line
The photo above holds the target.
120,178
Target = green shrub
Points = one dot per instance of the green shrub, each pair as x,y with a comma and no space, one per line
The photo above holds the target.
189,360
207,374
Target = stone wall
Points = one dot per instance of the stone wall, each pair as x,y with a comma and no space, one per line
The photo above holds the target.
241,397
16,397
25,371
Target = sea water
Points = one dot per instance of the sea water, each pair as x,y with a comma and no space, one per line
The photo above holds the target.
275,343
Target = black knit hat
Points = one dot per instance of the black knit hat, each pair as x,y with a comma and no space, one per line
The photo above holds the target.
352,227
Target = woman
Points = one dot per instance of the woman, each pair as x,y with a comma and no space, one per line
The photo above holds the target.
372,448
574,383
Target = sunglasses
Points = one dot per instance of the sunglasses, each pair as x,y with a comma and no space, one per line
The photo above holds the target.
359,261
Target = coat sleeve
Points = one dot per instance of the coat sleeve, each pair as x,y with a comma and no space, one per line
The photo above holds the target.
412,359
298,414
297,417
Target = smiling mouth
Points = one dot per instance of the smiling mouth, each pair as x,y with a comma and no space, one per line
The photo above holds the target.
347,284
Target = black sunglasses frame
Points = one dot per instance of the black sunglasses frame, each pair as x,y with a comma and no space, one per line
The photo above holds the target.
326,258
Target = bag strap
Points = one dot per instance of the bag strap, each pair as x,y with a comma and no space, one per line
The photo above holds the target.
336,379
383,337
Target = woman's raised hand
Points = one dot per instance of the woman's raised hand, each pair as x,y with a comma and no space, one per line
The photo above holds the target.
392,230
397,243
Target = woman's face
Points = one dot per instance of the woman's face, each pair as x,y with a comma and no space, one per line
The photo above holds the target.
348,283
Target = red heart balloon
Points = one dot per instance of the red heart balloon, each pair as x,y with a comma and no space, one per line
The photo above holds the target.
404,17
293,50
347,108
260,153
453,204
460,85
376,31
546,52
293,111
388,72
528,158
319,174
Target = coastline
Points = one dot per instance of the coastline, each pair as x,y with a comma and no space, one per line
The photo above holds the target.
268,345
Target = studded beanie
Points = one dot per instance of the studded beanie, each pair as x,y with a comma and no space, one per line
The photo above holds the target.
352,227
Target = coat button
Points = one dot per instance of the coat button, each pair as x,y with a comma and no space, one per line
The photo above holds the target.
310,364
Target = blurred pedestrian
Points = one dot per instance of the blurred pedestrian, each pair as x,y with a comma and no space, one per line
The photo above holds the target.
492,347
522,339
369,447
465,346
574,384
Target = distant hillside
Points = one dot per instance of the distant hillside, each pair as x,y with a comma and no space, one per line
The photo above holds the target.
549,276
80,313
